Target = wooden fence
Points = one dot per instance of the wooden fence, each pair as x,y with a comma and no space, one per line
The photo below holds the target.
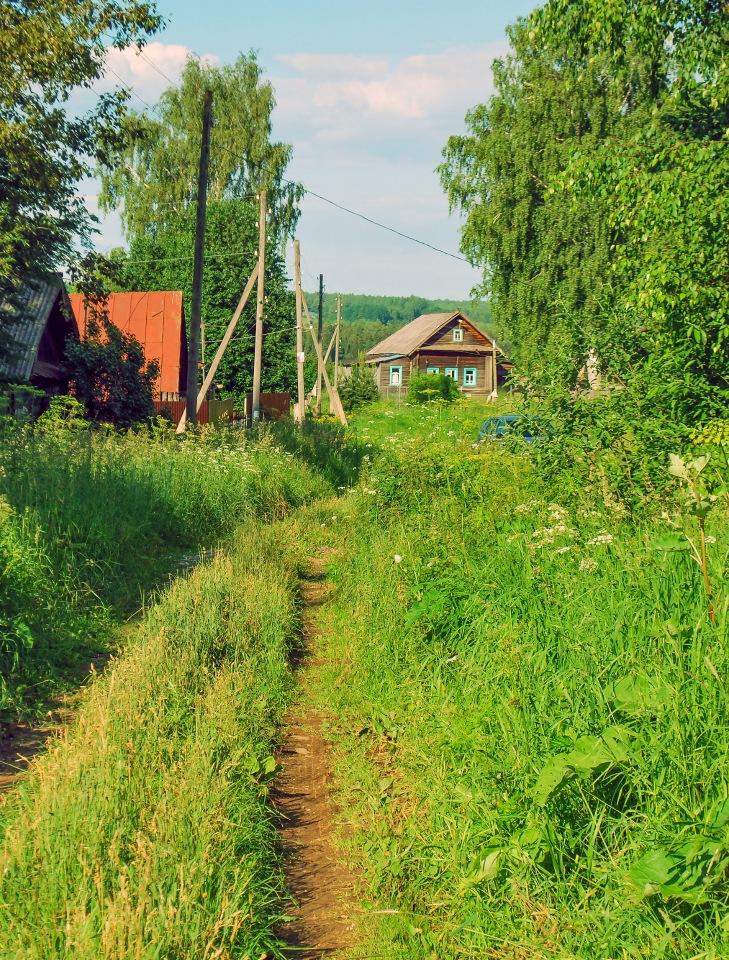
211,411
273,406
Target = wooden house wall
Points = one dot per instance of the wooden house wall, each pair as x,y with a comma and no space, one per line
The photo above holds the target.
443,340
383,376
481,362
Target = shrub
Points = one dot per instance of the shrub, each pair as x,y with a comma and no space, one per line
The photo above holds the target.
359,388
432,386
111,375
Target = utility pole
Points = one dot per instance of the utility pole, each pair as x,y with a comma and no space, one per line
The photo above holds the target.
193,347
258,354
299,411
319,334
336,348
494,372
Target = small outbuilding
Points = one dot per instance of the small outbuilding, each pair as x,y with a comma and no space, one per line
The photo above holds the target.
157,320
448,343
38,323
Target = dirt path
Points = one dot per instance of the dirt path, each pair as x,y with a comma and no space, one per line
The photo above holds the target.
319,883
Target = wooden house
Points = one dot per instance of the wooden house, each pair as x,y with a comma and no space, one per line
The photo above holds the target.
157,320
448,343
38,322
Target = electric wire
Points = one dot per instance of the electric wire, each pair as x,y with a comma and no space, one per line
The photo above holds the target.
313,193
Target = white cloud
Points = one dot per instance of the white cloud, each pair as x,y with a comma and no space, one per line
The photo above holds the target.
368,133
148,70
345,98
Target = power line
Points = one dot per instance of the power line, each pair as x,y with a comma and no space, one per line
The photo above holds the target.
141,53
382,226
333,203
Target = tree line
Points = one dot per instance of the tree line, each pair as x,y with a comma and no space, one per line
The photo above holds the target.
595,189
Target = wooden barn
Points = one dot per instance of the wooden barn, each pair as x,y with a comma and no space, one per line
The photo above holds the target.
157,320
38,322
448,343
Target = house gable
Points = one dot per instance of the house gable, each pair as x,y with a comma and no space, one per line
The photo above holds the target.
471,340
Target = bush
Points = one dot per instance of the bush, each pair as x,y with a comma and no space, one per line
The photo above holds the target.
111,376
359,388
432,386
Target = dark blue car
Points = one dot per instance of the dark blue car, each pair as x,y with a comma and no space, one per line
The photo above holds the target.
528,429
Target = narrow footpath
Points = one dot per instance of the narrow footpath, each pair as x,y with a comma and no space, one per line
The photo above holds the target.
321,886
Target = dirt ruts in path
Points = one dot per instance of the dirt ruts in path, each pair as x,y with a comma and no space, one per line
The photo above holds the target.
319,883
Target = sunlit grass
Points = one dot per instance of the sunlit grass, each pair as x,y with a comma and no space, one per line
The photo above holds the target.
144,832
489,641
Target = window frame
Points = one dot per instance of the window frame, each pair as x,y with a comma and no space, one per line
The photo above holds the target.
449,371
432,370
459,331
393,368
473,371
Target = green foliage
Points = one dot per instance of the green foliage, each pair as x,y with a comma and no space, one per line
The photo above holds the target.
325,446
359,388
424,387
595,189
536,250
101,517
110,375
154,178
163,262
49,48
155,184
529,712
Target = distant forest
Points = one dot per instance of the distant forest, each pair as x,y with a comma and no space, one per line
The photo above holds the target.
368,319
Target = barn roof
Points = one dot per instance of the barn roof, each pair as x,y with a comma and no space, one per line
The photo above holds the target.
25,321
407,339
157,320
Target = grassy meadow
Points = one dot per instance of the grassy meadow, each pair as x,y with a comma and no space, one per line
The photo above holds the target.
91,521
529,706
524,687
144,831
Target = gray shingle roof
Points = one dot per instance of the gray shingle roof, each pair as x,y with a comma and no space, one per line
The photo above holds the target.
25,323
408,338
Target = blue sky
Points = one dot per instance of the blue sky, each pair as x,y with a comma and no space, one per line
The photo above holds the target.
368,94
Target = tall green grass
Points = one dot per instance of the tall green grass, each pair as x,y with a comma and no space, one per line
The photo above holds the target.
144,832
89,520
531,709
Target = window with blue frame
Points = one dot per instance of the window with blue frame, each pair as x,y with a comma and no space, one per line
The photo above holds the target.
452,372
395,376
469,377
432,369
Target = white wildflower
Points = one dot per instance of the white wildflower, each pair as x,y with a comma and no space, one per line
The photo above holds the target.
397,558
710,539
588,564
601,538
563,549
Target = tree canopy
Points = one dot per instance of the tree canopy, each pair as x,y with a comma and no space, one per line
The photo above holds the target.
154,183
48,48
154,178
595,184
164,262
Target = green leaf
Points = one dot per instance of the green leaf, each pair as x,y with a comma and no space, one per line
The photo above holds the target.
590,756
637,695
671,544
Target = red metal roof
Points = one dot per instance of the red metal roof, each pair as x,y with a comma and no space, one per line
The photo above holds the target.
157,320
